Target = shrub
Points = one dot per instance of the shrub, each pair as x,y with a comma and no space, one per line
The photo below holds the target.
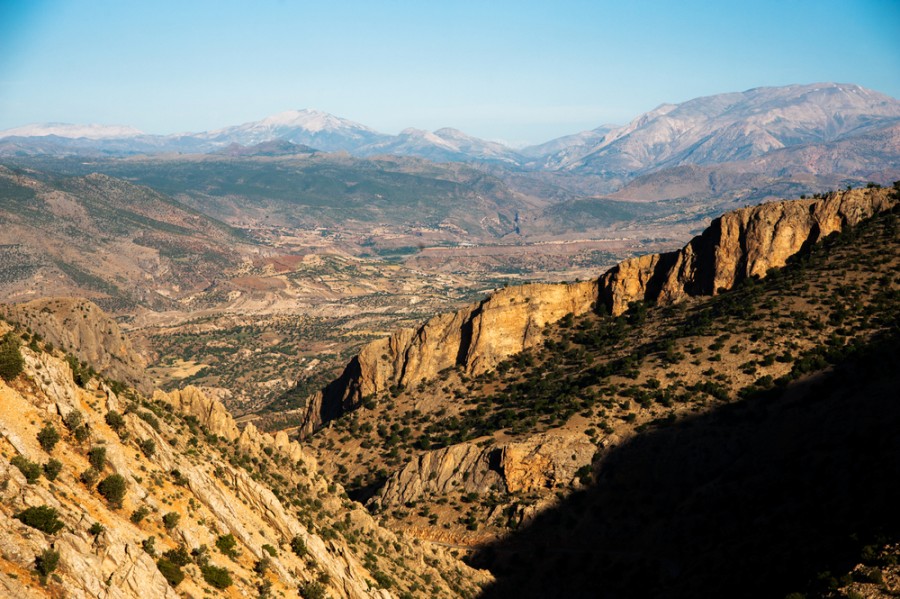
262,565
30,470
73,420
89,477
270,550
384,581
149,546
82,433
148,447
115,420
11,362
139,514
48,437
52,469
42,517
219,578
96,529
97,457
171,572
113,489
312,590
227,545
170,520
149,418
46,563
298,546
179,556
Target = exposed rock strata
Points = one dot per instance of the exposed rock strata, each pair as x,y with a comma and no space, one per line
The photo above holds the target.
79,327
214,497
538,462
741,244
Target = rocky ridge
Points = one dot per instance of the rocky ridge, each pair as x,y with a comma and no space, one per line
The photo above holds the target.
81,328
182,453
741,244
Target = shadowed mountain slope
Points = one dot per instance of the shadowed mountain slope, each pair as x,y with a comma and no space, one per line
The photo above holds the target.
750,500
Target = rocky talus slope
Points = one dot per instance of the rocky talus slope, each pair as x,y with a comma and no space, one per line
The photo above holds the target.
207,508
739,245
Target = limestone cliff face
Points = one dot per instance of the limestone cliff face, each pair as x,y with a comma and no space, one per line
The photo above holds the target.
79,327
741,244
539,462
736,246
476,339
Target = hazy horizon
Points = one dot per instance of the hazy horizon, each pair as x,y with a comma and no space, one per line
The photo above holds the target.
514,72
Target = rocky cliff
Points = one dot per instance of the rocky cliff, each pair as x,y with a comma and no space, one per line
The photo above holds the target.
180,454
79,327
741,244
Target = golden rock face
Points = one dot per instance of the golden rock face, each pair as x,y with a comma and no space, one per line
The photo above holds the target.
741,244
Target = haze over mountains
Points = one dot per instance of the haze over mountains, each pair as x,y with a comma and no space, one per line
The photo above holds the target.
721,129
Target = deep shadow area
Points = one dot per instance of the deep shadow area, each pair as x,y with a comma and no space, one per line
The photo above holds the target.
753,499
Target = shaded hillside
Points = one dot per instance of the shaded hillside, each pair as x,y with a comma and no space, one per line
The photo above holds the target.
104,238
467,457
753,499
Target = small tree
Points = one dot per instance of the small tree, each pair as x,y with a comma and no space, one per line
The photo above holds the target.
89,477
115,420
46,563
219,578
171,572
97,457
11,362
52,469
48,437
42,517
148,446
139,514
171,519
227,545
113,489
30,470
312,590
298,546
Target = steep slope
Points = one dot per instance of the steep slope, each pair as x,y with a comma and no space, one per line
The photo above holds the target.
167,497
81,328
737,246
463,459
794,170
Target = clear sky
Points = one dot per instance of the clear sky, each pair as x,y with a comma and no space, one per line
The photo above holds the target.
519,71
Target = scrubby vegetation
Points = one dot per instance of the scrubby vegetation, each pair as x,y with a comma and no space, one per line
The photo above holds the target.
42,517
11,361
646,369
113,489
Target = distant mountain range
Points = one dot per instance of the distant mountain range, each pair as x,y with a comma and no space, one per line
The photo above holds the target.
840,131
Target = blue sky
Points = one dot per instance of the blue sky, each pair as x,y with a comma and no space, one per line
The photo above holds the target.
518,71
